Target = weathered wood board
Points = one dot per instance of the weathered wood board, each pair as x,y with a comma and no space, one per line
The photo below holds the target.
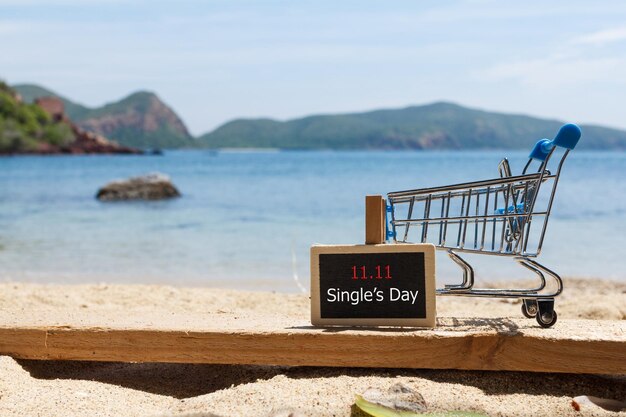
576,346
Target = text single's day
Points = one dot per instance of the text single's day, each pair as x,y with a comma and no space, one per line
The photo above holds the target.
336,295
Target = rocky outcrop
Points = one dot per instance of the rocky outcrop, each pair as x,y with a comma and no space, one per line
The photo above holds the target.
87,142
146,187
84,142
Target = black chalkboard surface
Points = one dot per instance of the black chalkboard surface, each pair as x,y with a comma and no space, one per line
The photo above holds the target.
373,285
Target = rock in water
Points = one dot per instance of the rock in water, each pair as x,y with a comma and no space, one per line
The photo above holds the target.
146,187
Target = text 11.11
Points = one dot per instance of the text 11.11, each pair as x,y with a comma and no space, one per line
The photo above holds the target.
381,272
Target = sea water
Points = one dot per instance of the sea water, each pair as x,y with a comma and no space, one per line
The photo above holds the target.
247,219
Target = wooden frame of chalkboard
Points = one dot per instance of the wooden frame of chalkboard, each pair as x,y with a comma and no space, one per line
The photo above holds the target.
373,285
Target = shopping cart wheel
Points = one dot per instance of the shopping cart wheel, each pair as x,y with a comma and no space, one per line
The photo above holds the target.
529,308
547,320
546,316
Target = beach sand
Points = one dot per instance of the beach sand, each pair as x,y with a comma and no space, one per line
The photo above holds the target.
58,388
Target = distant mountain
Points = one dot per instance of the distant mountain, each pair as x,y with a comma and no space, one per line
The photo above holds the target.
434,126
140,120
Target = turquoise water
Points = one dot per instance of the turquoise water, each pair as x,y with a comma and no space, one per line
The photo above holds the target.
247,219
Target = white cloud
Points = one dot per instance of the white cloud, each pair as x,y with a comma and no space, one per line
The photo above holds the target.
7,28
603,37
558,71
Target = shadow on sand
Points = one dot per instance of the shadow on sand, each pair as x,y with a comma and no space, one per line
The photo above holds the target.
191,380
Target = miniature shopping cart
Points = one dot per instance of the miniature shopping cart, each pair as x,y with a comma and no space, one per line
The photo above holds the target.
504,216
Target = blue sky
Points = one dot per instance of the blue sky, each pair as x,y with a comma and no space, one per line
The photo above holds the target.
218,60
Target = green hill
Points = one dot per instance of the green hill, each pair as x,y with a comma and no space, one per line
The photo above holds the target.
27,127
433,126
140,120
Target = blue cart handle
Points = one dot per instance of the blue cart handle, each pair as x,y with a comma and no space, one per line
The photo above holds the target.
567,137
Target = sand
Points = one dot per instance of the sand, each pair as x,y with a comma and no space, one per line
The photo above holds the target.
55,388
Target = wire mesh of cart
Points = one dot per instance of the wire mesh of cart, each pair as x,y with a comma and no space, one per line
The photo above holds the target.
504,216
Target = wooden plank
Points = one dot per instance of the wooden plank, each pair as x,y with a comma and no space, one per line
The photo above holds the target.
374,219
573,346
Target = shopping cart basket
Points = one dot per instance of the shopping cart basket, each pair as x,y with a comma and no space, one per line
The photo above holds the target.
505,216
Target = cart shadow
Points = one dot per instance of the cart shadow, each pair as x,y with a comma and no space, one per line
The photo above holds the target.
500,325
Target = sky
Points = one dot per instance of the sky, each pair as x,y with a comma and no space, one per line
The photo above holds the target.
213,61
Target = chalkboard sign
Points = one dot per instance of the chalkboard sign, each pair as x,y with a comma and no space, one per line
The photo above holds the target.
373,285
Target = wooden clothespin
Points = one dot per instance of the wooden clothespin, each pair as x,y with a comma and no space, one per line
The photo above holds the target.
374,220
